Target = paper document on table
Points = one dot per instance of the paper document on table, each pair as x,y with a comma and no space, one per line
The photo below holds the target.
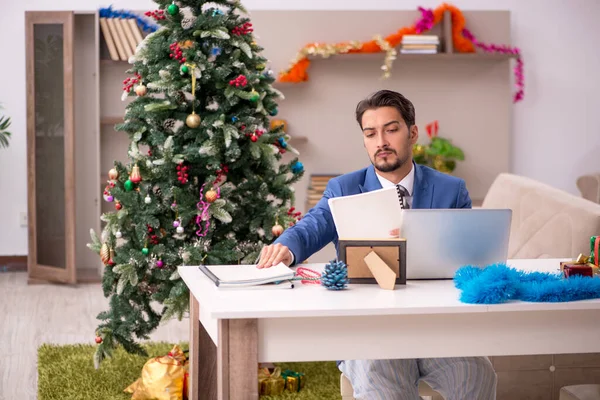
246,275
369,215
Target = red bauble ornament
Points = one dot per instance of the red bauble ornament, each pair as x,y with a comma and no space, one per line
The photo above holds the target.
98,339
253,138
118,205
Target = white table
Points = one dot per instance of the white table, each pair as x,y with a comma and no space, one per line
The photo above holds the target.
233,330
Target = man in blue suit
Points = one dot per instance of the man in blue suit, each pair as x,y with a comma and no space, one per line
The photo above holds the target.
387,120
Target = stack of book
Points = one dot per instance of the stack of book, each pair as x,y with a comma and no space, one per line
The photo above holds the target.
316,187
420,44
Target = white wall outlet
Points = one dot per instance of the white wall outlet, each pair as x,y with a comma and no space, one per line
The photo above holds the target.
23,219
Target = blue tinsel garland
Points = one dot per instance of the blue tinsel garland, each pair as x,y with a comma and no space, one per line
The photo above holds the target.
499,283
143,23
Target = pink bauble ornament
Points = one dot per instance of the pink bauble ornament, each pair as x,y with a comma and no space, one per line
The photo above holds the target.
159,264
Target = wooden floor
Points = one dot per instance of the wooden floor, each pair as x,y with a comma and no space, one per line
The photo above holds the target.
34,314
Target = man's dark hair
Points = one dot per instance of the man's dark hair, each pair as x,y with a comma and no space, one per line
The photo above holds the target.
387,98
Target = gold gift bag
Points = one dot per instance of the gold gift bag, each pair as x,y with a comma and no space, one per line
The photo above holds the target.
162,378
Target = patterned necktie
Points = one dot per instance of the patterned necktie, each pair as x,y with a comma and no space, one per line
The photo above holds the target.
402,195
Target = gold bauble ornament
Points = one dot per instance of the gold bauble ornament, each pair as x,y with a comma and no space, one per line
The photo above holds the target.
105,254
135,175
193,120
211,196
141,90
277,230
275,123
113,174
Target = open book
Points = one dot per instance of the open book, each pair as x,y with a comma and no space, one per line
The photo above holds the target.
247,276
367,215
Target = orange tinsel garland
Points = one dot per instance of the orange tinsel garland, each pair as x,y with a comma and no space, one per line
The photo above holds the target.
297,71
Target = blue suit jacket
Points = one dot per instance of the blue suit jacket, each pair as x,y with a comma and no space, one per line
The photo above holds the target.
432,189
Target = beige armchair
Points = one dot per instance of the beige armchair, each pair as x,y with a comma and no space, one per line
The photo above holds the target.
546,222
589,186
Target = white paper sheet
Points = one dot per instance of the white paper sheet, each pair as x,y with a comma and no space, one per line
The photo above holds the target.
370,215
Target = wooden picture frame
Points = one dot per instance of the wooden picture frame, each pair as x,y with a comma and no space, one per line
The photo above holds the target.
392,251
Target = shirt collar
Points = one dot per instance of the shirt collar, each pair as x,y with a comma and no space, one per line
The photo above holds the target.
408,181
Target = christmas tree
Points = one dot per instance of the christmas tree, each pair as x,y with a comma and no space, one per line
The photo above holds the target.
206,180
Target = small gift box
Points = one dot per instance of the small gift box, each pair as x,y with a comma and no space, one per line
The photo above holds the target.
570,270
581,261
270,383
595,250
294,381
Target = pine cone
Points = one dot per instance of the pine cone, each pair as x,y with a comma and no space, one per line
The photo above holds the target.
169,124
188,22
335,276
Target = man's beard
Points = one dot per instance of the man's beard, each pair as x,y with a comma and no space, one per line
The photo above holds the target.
387,166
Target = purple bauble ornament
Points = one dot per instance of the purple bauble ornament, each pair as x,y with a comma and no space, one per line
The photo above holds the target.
159,264
109,199
175,224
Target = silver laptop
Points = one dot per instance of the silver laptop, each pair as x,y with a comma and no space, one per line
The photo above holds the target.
440,241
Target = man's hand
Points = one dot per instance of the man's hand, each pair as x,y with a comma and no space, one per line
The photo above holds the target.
274,254
395,233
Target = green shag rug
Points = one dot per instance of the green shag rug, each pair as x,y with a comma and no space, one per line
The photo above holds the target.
67,372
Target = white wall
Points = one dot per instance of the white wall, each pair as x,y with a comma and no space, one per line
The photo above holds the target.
556,133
